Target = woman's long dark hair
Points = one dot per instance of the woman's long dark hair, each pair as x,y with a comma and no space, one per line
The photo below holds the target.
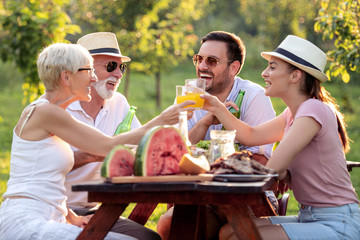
313,89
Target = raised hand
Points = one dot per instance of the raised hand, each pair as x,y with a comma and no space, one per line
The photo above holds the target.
170,115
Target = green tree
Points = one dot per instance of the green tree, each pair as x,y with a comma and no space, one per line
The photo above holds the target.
27,27
156,34
274,20
166,34
339,20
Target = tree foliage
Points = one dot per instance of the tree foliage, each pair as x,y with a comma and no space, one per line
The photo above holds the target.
159,34
27,27
339,20
274,20
156,34
166,35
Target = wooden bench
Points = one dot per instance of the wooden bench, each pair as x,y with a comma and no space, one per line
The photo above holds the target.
351,164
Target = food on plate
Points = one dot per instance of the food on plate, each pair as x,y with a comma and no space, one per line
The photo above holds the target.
239,163
119,162
194,165
159,152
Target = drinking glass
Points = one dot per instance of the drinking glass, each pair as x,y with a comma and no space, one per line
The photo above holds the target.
191,91
222,144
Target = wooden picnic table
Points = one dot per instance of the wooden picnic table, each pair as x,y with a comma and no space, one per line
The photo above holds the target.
189,199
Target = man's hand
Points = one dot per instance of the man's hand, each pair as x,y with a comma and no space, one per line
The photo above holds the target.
198,131
81,158
209,119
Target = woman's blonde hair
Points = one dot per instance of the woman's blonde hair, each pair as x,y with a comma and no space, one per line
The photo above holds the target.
59,57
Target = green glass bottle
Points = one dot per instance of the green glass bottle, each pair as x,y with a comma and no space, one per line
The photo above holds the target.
238,102
125,125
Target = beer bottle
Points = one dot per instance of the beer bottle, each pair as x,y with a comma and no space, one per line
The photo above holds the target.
238,102
125,125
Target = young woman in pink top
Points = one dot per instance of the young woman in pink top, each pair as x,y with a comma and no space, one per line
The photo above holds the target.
310,158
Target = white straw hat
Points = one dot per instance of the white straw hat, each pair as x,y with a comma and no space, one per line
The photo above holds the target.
302,54
102,43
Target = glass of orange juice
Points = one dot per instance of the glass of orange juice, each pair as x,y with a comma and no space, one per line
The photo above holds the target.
191,91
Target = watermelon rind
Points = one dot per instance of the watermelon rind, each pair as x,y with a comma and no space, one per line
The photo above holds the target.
140,164
105,167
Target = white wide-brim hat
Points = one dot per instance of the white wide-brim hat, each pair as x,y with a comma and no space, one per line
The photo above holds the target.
302,54
102,43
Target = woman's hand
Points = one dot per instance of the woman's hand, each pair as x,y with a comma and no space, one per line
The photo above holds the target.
170,115
76,220
212,103
285,184
82,221
211,119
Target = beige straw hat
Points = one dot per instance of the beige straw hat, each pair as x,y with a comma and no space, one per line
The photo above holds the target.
302,54
102,43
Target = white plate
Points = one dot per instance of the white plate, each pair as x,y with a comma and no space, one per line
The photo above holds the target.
241,177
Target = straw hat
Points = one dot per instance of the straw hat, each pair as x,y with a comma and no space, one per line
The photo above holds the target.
102,43
302,54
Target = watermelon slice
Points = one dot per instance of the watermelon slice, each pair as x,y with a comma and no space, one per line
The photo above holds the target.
159,152
119,162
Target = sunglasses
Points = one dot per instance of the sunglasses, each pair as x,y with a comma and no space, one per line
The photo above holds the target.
92,70
210,61
111,66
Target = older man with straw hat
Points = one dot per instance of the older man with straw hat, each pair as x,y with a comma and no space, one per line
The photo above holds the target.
105,111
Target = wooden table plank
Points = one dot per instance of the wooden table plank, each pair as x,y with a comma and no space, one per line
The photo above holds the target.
197,198
97,228
165,178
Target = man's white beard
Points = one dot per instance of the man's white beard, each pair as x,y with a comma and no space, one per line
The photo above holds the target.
100,87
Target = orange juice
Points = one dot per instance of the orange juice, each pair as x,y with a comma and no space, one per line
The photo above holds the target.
191,96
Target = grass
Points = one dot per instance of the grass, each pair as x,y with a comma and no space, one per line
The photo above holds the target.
142,95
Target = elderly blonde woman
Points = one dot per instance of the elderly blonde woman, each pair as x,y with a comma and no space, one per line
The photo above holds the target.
34,205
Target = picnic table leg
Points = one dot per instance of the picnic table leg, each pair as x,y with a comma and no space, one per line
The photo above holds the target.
242,222
142,212
97,228
265,209
201,222
188,222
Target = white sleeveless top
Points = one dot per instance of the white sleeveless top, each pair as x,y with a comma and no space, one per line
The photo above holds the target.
38,169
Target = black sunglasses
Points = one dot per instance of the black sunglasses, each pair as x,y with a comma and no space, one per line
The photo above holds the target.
210,61
111,66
